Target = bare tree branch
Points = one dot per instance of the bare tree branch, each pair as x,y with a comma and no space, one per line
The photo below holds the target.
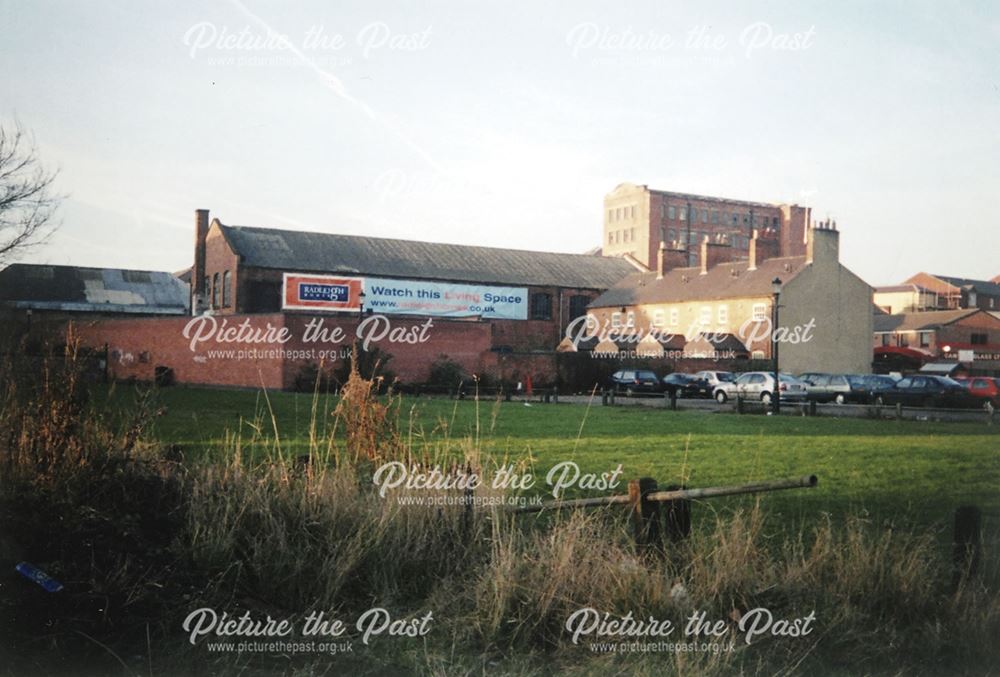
27,201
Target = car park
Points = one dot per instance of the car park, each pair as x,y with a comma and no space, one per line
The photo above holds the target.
929,391
759,385
686,385
635,382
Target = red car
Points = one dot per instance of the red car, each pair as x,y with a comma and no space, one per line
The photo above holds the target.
984,387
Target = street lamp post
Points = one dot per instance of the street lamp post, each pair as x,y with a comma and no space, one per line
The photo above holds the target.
776,289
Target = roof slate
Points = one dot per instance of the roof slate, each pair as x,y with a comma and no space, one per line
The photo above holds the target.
723,281
354,254
982,286
930,319
74,288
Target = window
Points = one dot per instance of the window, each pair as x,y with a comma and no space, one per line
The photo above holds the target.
672,234
631,234
659,318
757,355
723,315
978,339
715,216
886,338
630,319
616,320
541,307
624,236
671,212
925,339
207,287
611,215
215,290
674,317
972,299
684,213
705,315
578,306
611,237
227,289
704,216
759,312
904,341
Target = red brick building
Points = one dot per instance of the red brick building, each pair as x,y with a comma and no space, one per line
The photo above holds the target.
950,293
637,219
243,277
906,341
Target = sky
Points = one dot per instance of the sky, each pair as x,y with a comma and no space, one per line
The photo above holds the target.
505,123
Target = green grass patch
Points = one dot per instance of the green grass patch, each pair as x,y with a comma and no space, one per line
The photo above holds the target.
898,471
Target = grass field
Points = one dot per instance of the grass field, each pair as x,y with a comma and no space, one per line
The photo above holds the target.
906,471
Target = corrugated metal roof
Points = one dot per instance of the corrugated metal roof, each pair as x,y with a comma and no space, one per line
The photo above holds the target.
723,281
106,290
359,255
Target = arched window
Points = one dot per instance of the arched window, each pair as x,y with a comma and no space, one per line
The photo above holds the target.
227,289
215,290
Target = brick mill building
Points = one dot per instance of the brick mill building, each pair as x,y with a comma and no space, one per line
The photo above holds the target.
248,275
637,219
730,299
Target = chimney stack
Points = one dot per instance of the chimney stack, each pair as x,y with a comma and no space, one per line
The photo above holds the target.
823,244
761,249
669,258
198,292
714,253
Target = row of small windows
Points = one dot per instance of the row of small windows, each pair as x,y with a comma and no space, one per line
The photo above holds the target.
621,236
672,317
698,236
216,286
621,213
674,213
924,338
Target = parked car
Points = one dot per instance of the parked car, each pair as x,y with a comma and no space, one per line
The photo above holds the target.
810,376
716,378
686,385
984,387
873,384
930,391
635,382
839,388
759,385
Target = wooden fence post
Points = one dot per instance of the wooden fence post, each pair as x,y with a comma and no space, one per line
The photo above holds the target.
966,543
677,517
645,514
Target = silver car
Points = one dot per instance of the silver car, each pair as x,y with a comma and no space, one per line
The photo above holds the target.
759,385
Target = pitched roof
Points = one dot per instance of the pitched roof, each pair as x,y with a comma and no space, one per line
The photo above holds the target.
723,281
889,289
984,286
106,290
355,254
931,319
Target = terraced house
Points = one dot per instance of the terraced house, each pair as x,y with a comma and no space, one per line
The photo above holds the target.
825,320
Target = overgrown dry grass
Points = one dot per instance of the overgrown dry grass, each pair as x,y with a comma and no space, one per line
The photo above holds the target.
255,530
